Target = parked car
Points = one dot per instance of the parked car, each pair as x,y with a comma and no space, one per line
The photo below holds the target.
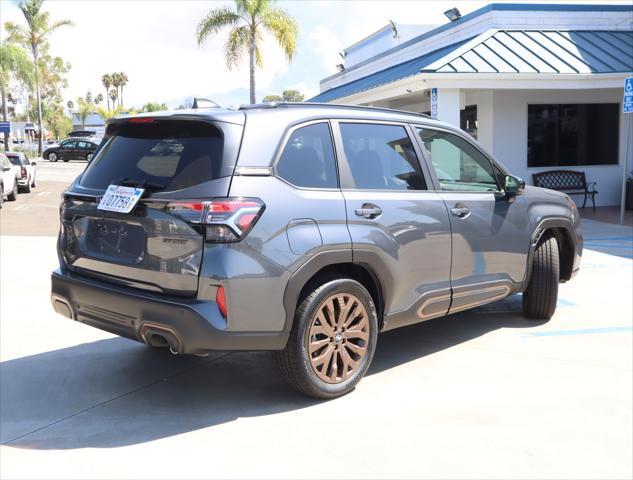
71,149
28,173
82,133
302,229
8,180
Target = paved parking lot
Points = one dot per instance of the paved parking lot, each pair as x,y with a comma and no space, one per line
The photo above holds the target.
477,394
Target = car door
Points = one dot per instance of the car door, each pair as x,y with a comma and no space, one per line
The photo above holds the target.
490,231
68,150
399,228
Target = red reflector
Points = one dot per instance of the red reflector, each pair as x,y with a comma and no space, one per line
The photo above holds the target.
23,172
141,120
245,220
197,206
220,299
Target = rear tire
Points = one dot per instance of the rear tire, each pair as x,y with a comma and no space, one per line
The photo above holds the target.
27,188
332,341
52,157
13,196
1,194
539,299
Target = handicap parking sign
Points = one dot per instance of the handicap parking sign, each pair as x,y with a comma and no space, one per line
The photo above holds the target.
627,104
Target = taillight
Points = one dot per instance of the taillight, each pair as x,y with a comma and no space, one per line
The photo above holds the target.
23,173
225,219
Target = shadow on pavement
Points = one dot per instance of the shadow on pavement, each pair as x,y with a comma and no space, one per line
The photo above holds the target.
115,392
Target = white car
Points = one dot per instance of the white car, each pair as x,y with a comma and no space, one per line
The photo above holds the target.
8,180
27,171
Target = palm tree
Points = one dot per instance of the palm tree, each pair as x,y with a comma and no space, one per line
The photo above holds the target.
113,94
70,106
116,83
249,20
122,83
106,80
98,99
13,64
34,36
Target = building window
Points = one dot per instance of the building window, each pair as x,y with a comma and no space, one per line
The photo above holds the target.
573,134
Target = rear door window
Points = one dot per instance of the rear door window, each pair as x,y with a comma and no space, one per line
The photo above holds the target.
172,155
381,157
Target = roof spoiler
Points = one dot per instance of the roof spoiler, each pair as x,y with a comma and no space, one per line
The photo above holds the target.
198,102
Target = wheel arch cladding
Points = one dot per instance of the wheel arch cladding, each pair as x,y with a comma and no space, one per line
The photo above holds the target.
309,277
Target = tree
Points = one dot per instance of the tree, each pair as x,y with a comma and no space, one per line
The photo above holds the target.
116,83
106,80
288,95
122,83
154,107
14,64
113,94
85,109
35,37
272,98
70,106
89,98
248,22
98,99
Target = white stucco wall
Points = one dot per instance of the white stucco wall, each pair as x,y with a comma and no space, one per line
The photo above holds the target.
510,129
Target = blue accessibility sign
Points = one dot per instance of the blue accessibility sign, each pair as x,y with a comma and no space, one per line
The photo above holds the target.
627,104
5,127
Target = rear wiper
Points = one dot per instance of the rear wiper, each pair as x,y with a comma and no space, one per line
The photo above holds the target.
127,182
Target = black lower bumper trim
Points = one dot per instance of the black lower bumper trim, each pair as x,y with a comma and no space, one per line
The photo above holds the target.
132,314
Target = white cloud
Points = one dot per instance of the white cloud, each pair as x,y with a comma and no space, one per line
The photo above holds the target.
327,45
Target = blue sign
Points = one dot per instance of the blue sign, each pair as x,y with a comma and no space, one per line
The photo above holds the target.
434,103
627,104
5,127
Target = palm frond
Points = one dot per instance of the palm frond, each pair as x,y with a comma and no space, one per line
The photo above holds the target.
58,24
236,46
215,21
283,27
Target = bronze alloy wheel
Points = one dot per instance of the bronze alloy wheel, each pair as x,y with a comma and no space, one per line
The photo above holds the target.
338,337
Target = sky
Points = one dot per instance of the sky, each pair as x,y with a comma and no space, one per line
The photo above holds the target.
153,42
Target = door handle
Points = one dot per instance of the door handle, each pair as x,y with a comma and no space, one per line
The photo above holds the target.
368,211
460,211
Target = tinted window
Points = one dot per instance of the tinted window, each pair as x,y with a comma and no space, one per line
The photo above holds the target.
458,165
175,155
69,145
381,157
83,144
308,158
573,134
15,159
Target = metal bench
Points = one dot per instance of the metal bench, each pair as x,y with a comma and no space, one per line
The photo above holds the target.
569,182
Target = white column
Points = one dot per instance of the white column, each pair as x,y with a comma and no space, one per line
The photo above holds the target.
448,105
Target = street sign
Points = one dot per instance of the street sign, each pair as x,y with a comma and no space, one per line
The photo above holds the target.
5,127
627,104
434,103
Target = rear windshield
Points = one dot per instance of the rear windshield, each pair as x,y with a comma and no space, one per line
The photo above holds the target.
171,155
15,159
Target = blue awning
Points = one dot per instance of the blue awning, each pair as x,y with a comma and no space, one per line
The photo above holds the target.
511,51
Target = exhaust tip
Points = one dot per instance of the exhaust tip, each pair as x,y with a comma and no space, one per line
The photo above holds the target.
157,336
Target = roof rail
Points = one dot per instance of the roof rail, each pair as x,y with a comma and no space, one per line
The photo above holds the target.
326,105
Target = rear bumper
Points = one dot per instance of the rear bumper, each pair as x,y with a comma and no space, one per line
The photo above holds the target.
187,325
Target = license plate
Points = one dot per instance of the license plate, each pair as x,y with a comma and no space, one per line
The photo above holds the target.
120,199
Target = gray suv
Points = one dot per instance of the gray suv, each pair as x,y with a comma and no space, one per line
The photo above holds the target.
304,229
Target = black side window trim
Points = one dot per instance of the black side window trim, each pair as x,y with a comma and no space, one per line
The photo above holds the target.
287,135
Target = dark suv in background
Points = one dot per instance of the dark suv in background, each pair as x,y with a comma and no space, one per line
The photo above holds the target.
301,228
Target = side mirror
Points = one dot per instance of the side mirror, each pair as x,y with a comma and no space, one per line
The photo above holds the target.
513,185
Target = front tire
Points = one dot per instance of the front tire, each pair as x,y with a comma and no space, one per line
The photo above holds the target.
332,341
539,300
